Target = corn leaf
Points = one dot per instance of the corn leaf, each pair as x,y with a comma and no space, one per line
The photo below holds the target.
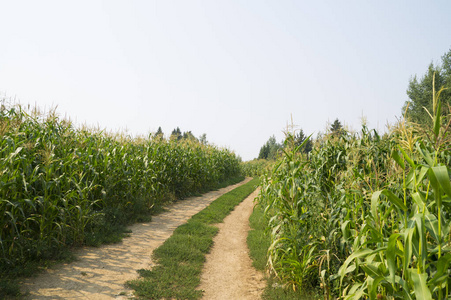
420,285
373,285
426,155
417,197
442,176
391,256
443,265
422,246
437,119
359,253
407,158
372,270
431,224
394,199
408,235
374,205
395,155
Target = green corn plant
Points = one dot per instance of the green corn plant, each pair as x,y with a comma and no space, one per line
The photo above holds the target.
333,184
286,197
256,167
406,254
62,186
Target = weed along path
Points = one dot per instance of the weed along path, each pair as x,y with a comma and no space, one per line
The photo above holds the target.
228,272
100,273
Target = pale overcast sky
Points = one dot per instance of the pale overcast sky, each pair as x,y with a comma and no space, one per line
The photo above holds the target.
235,70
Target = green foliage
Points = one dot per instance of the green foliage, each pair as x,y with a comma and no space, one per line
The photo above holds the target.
299,139
336,128
257,241
176,135
188,135
270,149
181,257
203,139
256,167
420,90
159,134
365,216
406,252
61,186
276,291
9,288
309,209
220,208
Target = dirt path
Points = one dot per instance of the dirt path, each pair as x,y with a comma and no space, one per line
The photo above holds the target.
228,272
100,273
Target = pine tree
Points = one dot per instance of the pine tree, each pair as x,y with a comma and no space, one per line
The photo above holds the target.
203,139
188,135
336,128
159,133
176,134
299,139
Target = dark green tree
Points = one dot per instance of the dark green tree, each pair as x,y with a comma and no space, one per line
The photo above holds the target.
299,138
176,134
203,139
159,133
264,152
270,149
420,91
336,128
188,135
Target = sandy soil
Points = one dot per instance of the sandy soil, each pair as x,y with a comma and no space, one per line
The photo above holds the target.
228,272
100,273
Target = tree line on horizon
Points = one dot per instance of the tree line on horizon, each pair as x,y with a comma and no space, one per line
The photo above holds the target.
271,148
177,135
417,109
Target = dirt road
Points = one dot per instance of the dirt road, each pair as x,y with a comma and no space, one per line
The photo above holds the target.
100,273
228,272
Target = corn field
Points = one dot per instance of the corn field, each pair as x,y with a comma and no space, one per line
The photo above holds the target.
364,216
64,186
256,167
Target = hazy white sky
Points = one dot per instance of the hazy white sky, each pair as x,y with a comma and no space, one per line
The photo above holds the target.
235,70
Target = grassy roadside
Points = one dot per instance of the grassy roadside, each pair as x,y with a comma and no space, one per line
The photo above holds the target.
258,242
180,259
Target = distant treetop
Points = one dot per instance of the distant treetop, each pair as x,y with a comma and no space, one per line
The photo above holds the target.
420,91
336,128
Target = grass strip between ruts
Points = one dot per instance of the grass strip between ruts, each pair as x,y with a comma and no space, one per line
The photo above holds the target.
181,257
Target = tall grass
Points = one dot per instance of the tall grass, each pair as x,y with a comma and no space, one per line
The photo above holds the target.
62,186
365,216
